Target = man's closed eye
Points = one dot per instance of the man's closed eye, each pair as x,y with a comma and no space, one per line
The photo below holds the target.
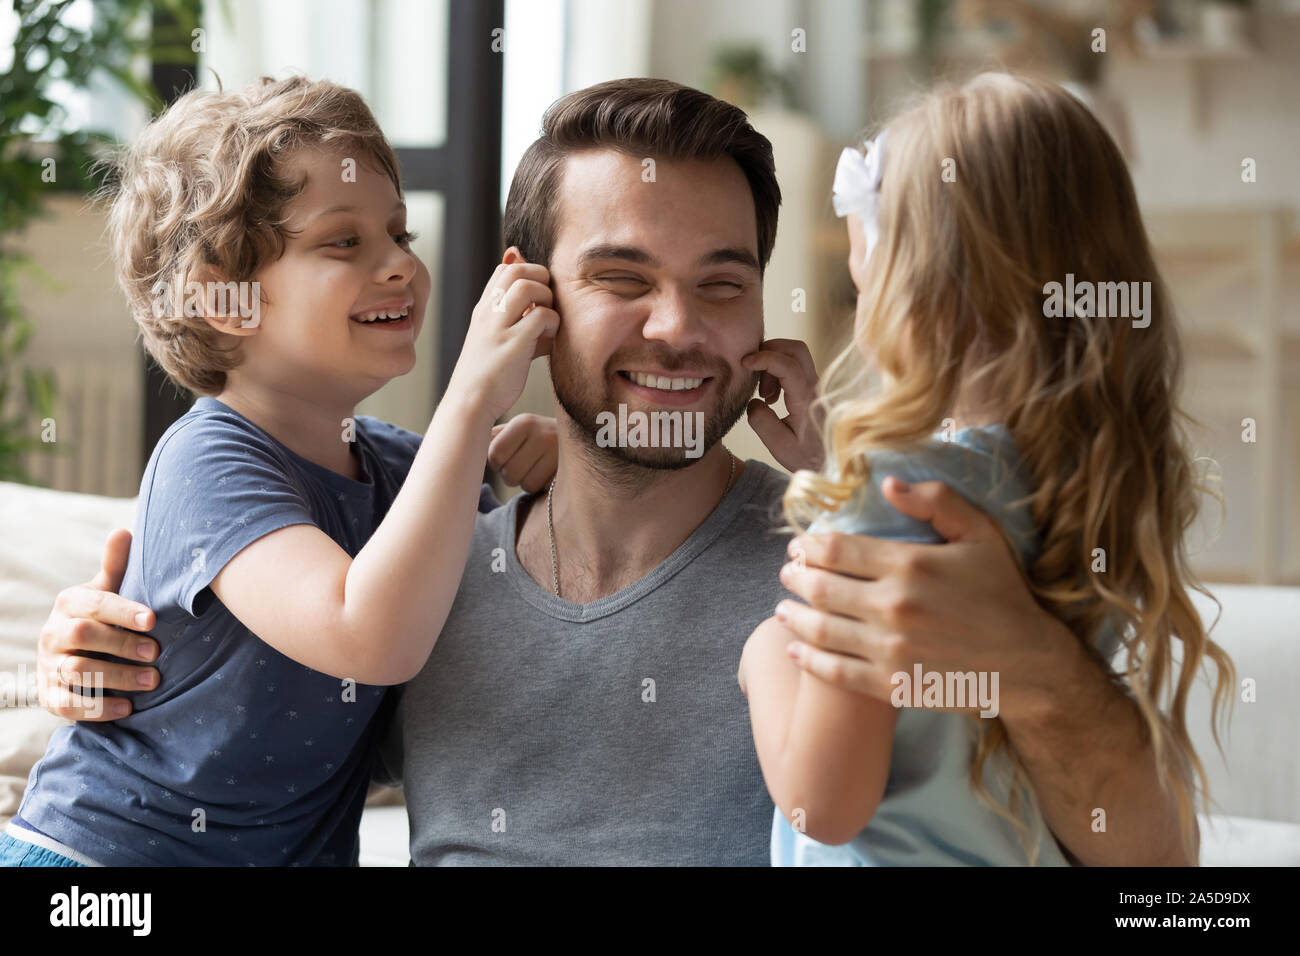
623,285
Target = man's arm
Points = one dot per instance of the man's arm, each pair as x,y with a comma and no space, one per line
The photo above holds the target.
878,607
93,617
1086,748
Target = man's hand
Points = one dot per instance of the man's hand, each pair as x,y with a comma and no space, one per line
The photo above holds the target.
786,366
90,618
879,607
525,451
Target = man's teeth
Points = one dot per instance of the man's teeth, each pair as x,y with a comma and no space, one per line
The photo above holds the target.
666,384
375,316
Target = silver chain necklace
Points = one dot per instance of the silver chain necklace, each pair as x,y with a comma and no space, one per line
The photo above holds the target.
550,522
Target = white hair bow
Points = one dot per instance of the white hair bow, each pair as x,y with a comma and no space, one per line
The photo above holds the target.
857,185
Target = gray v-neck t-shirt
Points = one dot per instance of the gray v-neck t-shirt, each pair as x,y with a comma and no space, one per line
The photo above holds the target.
542,732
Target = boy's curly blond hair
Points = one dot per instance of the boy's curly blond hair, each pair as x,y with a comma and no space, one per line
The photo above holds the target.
204,189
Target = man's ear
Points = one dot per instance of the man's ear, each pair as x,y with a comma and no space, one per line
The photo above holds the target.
512,255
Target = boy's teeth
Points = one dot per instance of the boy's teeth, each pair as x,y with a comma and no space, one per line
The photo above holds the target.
373,316
666,384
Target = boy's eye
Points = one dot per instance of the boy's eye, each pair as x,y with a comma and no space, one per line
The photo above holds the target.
404,238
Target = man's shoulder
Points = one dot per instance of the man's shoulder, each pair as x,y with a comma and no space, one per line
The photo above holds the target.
491,530
756,533
489,525
772,482
762,506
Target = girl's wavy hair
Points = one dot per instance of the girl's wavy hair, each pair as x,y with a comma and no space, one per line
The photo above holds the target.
954,300
202,192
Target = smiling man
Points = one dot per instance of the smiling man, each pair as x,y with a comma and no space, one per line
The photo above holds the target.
581,706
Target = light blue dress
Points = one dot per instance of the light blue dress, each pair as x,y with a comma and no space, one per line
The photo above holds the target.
929,815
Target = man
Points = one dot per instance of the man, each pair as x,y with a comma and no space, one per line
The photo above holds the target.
581,703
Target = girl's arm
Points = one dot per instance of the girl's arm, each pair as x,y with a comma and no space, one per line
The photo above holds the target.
375,618
824,752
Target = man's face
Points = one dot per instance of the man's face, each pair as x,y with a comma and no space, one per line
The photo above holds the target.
658,288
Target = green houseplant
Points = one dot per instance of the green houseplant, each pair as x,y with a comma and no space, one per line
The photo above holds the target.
40,155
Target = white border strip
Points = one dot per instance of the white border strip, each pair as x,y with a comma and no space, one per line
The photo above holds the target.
45,843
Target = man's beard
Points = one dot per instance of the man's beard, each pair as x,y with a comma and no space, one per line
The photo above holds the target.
583,397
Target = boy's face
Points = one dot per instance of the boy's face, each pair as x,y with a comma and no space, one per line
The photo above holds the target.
655,278
346,256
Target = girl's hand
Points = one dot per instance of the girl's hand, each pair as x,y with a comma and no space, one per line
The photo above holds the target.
786,366
512,324
525,451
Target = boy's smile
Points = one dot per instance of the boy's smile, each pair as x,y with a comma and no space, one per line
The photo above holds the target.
394,314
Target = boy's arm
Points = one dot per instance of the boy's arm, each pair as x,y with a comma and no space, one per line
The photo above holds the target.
374,618
824,752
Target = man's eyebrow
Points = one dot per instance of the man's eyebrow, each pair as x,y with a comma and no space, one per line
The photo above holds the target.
733,254
608,251
737,255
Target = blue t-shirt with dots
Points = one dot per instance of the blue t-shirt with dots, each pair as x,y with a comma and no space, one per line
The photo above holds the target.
241,755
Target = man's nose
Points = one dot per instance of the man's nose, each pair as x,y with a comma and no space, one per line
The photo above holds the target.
675,320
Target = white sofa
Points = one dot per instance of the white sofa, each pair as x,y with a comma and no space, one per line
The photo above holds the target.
51,539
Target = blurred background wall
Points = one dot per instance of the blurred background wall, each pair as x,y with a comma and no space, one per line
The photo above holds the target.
1198,92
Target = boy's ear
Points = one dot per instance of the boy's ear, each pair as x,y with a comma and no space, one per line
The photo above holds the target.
231,307
512,256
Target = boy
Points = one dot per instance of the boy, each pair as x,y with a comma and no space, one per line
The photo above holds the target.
294,569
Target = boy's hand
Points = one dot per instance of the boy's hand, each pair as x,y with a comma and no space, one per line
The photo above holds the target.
786,366
525,451
512,324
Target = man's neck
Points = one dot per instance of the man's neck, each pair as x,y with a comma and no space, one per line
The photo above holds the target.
304,425
615,523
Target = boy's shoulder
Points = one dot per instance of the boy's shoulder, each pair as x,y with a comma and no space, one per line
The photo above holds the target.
211,431
396,445
211,436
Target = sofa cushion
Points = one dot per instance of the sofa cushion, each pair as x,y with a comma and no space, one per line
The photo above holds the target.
1241,841
51,539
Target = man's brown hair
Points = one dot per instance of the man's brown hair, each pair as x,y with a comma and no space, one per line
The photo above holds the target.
640,117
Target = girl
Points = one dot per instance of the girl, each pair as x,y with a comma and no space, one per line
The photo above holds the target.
964,216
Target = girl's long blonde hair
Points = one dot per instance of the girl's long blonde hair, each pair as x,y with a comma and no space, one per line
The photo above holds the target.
954,304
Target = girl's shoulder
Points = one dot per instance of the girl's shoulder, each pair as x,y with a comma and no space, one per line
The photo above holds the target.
981,463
